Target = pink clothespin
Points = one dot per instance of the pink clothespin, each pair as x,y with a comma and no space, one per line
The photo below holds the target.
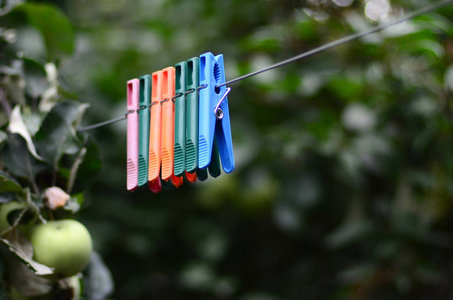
133,100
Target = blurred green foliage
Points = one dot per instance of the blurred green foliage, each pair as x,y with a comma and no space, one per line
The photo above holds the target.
344,181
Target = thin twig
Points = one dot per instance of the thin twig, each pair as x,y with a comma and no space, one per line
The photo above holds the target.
75,168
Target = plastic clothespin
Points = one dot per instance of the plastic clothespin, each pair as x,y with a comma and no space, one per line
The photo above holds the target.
180,118
191,177
202,174
132,133
168,122
214,116
155,128
177,181
192,84
155,186
144,114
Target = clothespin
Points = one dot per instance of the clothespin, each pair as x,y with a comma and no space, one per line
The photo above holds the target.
180,118
168,127
155,186
132,133
186,119
193,82
144,114
168,122
155,128
177,181
214,117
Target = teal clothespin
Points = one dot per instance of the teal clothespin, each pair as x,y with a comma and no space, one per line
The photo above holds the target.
180,118
144,115
192,114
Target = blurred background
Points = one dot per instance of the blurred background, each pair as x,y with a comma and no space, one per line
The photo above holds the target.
343,186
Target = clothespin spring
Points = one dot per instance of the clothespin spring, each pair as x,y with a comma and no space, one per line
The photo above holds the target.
217,110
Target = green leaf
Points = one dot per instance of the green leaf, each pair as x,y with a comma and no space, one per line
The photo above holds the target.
18,126
23,250
33,121
16,157
8,183
35,78
55,28
57,128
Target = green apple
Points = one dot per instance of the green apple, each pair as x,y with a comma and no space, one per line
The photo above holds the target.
64,245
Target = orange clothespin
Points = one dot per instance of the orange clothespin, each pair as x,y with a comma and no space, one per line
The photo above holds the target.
155,128
168,122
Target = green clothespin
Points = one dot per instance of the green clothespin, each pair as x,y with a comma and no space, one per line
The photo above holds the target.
180,118
144,113
193,66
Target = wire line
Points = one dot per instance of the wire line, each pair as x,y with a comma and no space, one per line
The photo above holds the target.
341,41
317,50
104,123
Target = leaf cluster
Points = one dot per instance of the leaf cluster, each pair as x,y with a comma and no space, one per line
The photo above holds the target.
40,147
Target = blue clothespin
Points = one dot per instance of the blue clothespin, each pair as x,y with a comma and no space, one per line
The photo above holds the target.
214,116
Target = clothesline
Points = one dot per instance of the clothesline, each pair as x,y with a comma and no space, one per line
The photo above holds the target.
314,51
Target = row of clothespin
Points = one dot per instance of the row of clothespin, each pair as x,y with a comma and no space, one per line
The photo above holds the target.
178,124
